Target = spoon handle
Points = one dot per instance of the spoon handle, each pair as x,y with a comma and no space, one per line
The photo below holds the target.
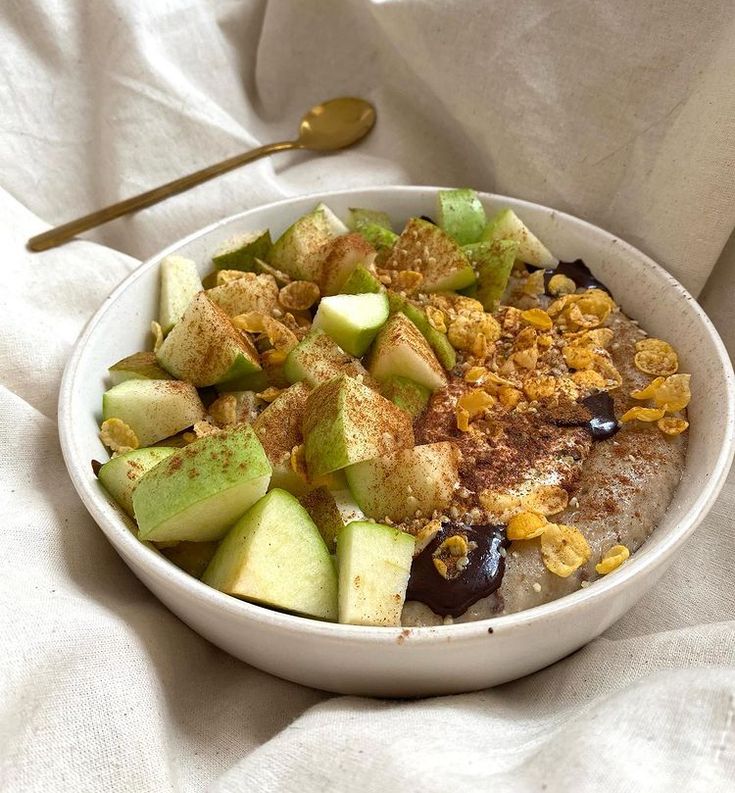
60,234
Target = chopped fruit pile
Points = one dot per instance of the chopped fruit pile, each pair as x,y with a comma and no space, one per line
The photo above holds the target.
348,416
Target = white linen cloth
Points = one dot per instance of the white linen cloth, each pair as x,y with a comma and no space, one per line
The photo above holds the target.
621,113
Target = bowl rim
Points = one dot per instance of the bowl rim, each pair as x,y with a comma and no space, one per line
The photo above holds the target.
126,543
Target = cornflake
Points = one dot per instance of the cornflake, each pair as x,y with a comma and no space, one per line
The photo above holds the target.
269,394
534,284
540,387
407,280
612,559
674,392
656,357
537,318
436,318
546,500
462,419
118,436
475,374
671,425
563,549
157,332
224,410
504,505
509,397
526,526
475,402
561,285
643,414
204,428
425,535
649,390
298,295
589,380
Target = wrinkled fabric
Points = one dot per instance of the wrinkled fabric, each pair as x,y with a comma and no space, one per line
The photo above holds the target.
620,113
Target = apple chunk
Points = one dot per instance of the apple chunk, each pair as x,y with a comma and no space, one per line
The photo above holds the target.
352,320
201,490
346,422
153,409
274,555
398,485
318,358
374,564
179,283
205,348
138,366
120,475
401,350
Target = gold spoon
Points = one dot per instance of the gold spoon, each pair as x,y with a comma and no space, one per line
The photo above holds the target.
331,125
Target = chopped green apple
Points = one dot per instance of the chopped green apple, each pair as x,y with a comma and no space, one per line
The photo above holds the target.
120,475
251,293
352,320
359,217
241,251
346,422
318,358
437,340
180,281
340,257
192,557
374,564
205,348
199,491
298,252
400,349
460,213
493,262
425,248
138,366
153,409
360,281
278,428
336,226
407,394
274,555
506,225
397,485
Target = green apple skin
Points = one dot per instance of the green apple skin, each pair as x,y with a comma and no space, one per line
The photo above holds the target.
397,485
298,252
275,556
153,409
138,366
425,248
205,348
460,213
493,262
361,281
356,218
278,428
346,422
318,358
119,476
335,225
241,251
192,557
407,394
180,281
341,256
438,341
352,321
400,349
198,492
506,225
253,292
374,564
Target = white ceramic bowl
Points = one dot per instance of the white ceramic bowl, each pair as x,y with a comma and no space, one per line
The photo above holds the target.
419,661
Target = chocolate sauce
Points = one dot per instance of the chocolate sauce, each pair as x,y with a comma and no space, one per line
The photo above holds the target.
578,272
427,219
600,420
480,578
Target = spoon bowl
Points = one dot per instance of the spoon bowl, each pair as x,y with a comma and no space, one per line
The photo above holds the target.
336,123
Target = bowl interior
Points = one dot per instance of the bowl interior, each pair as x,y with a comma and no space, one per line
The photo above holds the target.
644,290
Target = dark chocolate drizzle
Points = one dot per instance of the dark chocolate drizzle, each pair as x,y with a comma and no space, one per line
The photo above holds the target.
482,576
601,423
427,219
578,272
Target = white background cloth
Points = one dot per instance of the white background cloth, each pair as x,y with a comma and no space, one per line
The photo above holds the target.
621,113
